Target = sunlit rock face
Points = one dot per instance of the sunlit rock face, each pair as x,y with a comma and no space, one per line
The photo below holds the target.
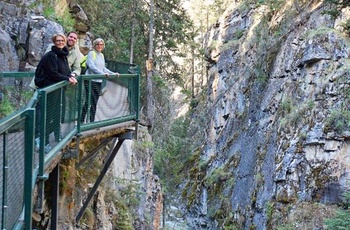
278,117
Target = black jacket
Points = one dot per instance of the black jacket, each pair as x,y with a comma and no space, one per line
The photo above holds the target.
54,67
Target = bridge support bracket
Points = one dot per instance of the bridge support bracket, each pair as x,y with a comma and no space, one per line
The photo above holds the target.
121,138
126,136
44,177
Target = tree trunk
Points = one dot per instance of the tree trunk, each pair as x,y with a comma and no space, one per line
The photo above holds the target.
133,22
150,98
192,67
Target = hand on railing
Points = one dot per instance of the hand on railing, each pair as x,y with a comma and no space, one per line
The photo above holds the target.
72,80
116,74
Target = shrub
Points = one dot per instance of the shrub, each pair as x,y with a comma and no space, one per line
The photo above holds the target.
338,121
339,222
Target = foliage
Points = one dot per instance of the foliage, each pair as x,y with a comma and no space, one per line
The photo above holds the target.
335,11
338,121
218,179
49,13
346,200
5,108
340,222
14,96
172,151
66,20
292,115
272,4
123,220
337,7
285,227
269,210
88,217
113,21
63,18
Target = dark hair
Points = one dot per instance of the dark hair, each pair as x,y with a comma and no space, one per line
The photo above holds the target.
72,32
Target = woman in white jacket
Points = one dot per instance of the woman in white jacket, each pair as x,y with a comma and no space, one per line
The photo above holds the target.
95,63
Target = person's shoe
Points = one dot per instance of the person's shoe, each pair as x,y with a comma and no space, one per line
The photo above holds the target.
48,148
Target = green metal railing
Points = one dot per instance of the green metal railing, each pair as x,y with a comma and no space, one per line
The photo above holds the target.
51,117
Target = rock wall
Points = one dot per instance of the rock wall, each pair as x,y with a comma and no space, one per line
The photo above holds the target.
277,127
26,34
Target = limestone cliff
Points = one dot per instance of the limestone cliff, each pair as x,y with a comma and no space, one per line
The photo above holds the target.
275,121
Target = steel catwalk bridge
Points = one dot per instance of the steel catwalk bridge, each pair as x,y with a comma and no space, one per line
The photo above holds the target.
40,127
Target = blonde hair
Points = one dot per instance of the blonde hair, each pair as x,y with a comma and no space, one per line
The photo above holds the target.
59,35
98,40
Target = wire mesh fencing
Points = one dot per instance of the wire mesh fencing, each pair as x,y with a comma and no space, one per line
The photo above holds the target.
56,115
15,91
107,98
14,166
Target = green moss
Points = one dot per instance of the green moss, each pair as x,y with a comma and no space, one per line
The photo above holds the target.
338,121
234,160
232,44
319,31
321,178
64,176
194,180
294,113
217,177
269,210
286,227
223,215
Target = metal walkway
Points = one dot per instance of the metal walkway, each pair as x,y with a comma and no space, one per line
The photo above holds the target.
52,116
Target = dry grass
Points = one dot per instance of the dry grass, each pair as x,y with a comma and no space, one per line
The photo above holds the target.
307,215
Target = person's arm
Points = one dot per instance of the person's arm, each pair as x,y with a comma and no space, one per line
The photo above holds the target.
75,66
107,71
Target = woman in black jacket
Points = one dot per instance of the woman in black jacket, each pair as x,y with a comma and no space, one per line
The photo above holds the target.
52,68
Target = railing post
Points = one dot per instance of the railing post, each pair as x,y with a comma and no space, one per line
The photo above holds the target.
55,193
42,127
4,181
28,167
137,86
137,104
80,101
